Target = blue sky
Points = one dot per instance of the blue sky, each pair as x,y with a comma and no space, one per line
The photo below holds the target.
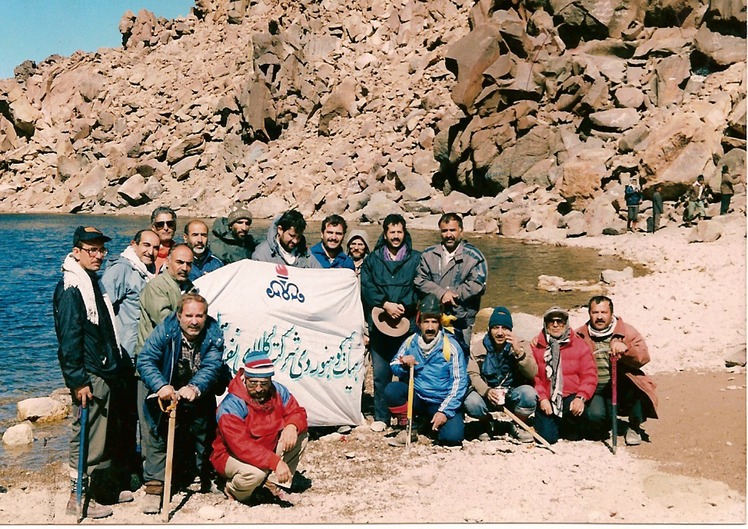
36,29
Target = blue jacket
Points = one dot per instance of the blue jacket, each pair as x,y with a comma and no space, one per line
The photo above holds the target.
342,260
437,379
158,358
204,264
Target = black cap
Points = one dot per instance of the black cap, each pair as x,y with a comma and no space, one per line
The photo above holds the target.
430,306
87,234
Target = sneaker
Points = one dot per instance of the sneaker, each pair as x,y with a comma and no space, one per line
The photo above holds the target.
485,436
91,509
378,426
633,438
521,435
401,439
151,504
125,496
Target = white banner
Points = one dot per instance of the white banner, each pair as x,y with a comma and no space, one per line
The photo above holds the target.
309,322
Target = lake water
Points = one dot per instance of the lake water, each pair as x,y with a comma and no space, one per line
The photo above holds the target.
33,247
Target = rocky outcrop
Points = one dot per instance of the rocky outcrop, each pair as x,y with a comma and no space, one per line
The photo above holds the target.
542,108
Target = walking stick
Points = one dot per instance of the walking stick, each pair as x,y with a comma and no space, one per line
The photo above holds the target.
530,429
171,409
410,408
614,399
82,456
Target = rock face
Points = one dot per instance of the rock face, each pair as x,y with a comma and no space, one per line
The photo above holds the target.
42,409
327,107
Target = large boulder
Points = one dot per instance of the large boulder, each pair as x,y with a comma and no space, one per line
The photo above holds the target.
722,49
19,435
468,58
705,231
42,409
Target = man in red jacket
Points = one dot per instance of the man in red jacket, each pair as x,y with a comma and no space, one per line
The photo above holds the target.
566,378
262,431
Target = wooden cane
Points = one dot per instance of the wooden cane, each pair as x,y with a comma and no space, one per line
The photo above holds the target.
614,400
530,429
410,408
82,457
171,409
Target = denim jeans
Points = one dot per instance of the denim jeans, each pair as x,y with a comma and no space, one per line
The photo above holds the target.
521,400
383,350
600,407
552,427
451,433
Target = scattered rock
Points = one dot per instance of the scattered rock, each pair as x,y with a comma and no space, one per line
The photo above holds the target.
611,277
19,435
42,409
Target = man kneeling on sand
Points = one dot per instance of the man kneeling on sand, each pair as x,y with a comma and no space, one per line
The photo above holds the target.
262,431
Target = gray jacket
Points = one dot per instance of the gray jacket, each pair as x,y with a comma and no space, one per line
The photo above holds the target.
123,282
269,252
465,275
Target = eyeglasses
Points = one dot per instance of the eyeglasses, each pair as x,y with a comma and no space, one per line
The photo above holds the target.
93,251
556,321
161,224
257,383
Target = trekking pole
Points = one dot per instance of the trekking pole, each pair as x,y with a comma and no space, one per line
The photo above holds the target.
530,429
614,399
82,456
171,409
410,408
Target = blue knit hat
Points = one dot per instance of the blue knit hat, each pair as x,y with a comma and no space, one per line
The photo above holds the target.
258,365
501,316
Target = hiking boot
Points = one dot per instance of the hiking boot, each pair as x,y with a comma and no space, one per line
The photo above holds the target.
401,439
151,504
633,438
520,434
91,509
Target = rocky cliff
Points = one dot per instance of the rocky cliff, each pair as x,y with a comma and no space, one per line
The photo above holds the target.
518,113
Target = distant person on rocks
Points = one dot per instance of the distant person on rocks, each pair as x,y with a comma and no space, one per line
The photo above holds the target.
123,281
286,244
329,251
232,241
440,379
501,375
262,432
608,336
164,224
357,248
697,196
390,302
658,207
196,237
633,197
182,360
454,271
565,381
91,361
726,189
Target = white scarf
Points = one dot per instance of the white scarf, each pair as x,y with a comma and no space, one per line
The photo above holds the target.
137,264
603,334
426,348
74,276
288,257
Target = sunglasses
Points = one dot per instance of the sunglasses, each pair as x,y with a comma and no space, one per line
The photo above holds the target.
556,321
165,223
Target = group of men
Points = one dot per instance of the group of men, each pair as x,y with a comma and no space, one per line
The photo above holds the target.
139,340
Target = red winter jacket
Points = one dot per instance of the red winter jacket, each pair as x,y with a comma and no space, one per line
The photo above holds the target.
577,364
248,431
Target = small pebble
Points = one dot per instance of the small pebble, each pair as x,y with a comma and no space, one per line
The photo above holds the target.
344,430
350,455
378,426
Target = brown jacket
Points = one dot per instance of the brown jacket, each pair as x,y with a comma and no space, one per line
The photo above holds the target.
632,361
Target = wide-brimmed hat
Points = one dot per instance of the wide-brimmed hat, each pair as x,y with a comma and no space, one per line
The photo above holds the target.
387,325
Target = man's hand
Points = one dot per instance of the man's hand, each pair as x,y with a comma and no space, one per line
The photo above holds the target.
449,298
514,341
438,420
187,392
282,472
167,393
496,396
287,440
408,361
545,406
618,347
576,407
83,395
393,310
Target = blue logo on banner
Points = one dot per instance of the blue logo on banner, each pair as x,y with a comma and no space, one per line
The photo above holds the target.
284,288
